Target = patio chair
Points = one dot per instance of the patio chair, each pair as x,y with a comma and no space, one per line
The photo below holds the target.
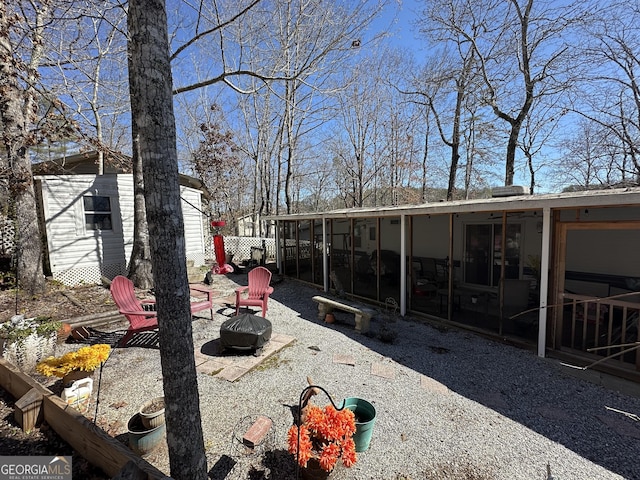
141,314
431,271
258,290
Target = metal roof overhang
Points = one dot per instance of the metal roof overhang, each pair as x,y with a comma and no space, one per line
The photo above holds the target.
585,199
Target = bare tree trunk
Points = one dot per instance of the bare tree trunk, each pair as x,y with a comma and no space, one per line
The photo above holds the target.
152,115
455,159
140,271
17,106
290,102
512,145
454,142
532,172
425,158
470,148
279,155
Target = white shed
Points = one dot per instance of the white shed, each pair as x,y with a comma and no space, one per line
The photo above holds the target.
88,223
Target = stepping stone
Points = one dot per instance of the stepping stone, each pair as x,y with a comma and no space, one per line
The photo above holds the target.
382,370
552,413
280,340
344,359
210,360
621,426
210,367
432,385
232,374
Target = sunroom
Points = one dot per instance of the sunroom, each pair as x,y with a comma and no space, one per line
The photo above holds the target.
559,273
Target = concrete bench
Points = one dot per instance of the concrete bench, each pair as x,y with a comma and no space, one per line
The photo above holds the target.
362,314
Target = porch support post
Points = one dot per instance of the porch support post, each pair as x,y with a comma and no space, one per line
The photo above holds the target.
278,247
503,254
450,270
325,256
403,265
544,280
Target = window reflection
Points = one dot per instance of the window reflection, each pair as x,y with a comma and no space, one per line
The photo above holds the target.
484,252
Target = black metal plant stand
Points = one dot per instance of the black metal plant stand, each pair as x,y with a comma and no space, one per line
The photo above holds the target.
304,398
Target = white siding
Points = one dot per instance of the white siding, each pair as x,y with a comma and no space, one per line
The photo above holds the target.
80,255
193,225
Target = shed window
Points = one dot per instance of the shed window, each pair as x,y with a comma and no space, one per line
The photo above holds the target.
97,213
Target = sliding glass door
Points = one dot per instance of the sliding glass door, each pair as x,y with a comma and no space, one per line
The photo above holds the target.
484,252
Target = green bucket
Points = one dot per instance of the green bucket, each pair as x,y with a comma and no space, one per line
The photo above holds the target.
365,419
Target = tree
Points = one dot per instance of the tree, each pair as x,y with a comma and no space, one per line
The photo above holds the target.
39,41
396,174
219,19
153,124
88,70
140,264
312,49
461,79
217,163
522,52
586,163
354,143
612,97
18,115
309,42
452,76
536,135
257,140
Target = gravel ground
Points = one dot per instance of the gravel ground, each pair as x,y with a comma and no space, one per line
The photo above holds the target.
456,406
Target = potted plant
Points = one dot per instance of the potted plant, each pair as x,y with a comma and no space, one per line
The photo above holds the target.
25,341
144,439
152,412
74,368
323,436
73,365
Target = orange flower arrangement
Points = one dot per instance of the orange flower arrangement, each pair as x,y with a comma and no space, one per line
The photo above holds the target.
326,435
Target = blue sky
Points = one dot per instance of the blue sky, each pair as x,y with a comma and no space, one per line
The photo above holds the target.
398,21
402,14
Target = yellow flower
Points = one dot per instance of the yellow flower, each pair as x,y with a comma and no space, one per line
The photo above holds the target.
86,358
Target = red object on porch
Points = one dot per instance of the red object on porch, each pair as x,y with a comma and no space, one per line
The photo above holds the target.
218,247
222,266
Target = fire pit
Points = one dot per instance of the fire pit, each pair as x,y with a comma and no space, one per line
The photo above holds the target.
245,332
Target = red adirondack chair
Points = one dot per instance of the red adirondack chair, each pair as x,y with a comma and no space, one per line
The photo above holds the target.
258,290
141,319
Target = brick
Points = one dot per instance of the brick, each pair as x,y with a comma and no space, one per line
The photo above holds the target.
256,433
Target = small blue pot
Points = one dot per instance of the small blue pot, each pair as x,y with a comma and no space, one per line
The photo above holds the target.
143,440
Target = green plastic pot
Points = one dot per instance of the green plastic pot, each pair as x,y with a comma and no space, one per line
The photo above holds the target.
365,420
